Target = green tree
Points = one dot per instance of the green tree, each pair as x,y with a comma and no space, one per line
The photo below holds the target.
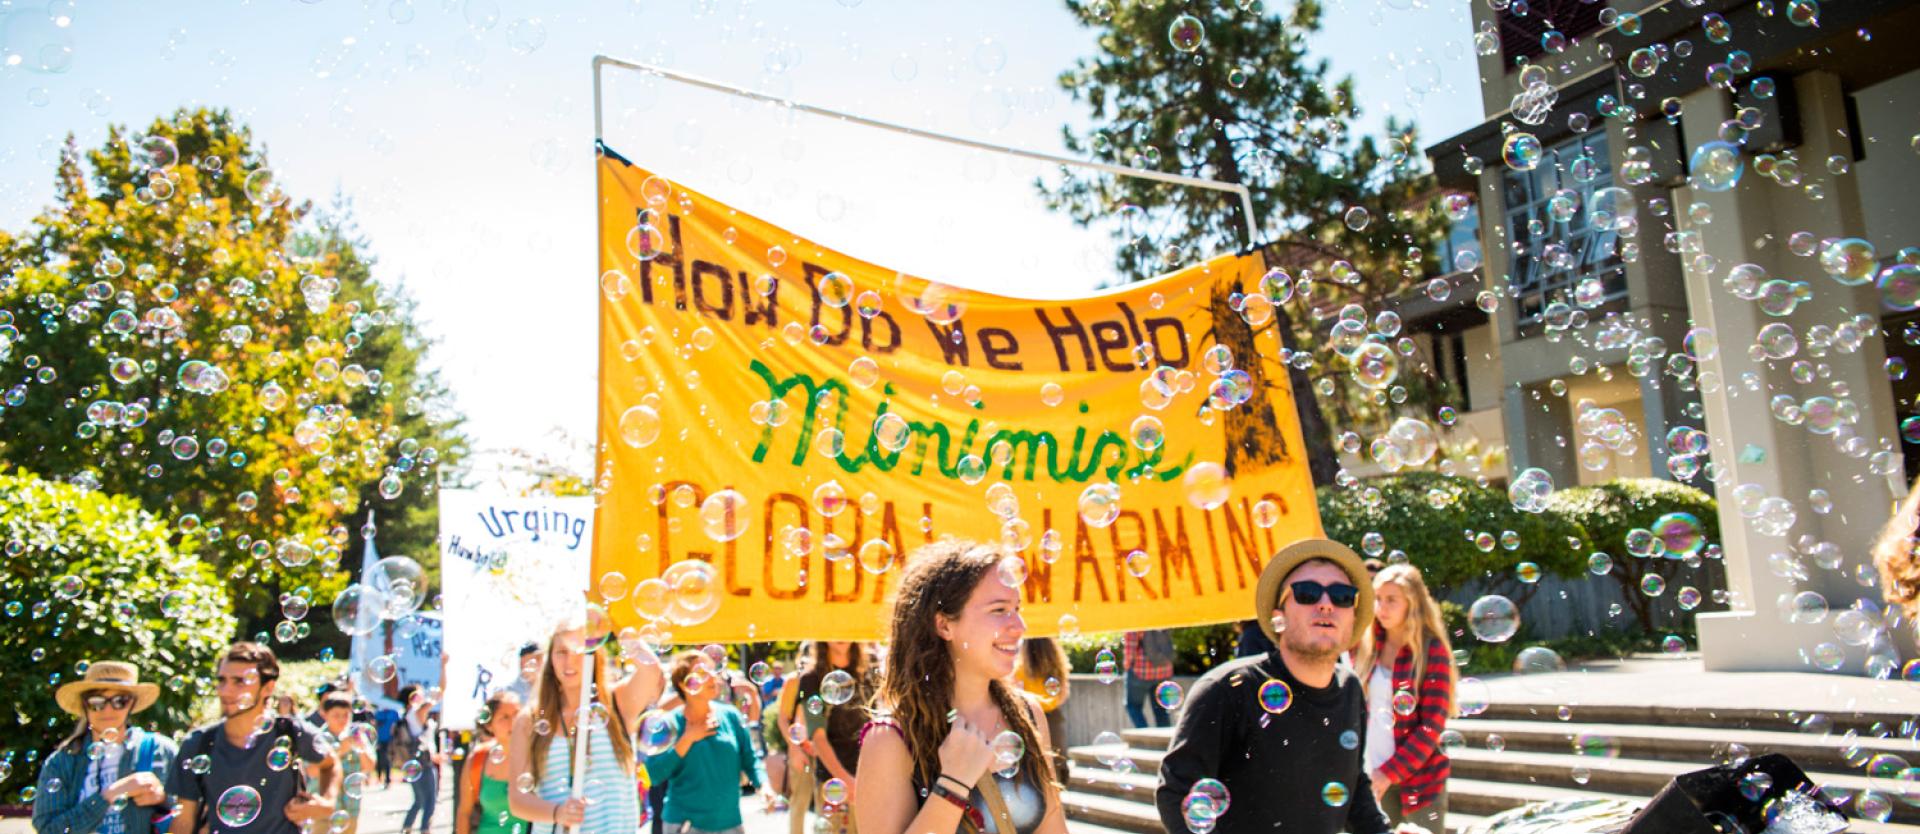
1226,94
90,577
190,339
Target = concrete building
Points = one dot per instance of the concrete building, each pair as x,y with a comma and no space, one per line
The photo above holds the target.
1622,309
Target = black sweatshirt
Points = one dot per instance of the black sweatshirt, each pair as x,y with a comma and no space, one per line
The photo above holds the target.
1276,774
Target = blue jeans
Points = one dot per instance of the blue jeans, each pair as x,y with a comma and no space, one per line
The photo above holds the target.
426,789
1140,693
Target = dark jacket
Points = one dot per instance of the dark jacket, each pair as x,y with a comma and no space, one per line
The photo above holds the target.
1297,769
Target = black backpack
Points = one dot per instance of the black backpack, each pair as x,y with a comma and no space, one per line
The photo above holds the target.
1157,646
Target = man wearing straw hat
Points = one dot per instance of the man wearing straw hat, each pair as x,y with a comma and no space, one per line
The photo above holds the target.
242,774
1275,741
122,788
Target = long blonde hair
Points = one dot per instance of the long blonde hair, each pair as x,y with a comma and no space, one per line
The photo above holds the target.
549,702
918,685
1894,553
1041,658
1424,624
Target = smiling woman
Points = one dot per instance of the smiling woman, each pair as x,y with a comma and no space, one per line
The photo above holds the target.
955,636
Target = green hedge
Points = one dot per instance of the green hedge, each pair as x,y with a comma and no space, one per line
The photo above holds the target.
92,577
1434,519
1609,511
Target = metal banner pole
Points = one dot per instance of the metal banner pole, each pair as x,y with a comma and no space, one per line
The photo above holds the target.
600,61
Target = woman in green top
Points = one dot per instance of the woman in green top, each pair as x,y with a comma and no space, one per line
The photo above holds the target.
483,807
714,748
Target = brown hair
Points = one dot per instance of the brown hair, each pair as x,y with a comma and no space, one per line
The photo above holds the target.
336,700
859,663
1424,624
259,656
1894,554
1042,658
548,704
683,666
918,685
493,710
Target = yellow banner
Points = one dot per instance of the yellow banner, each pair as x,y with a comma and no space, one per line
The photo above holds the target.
800,420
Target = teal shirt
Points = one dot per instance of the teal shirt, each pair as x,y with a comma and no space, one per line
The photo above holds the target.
703,787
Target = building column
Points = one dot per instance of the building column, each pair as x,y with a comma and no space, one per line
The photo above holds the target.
1751,224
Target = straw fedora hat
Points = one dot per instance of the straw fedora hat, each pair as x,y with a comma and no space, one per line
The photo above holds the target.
107,676
1267,593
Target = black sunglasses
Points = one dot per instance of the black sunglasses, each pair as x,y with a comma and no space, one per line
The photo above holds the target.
100,702
1340,594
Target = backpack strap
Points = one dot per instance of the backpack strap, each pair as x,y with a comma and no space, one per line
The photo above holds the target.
989,789
144,761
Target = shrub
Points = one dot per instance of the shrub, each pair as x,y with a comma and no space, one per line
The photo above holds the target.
1435,519
1611,510
92,577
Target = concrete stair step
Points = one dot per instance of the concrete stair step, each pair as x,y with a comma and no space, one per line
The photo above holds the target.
1629,777
1076,826
1698,745
1709,717
1112,813
1100,797
1144,760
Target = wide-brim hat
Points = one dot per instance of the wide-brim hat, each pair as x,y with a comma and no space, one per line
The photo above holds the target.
1267,593
107,676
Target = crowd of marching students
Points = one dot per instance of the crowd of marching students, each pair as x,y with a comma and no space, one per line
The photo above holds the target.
954,723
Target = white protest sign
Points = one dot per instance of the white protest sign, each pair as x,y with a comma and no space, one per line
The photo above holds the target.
413,646
510,566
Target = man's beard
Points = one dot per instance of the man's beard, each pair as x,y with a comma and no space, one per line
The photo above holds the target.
1302,646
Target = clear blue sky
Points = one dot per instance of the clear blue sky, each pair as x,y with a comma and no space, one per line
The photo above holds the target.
469,156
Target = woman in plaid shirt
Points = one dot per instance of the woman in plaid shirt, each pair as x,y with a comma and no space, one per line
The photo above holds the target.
1406,667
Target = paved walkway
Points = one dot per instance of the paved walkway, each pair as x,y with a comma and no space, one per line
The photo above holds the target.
1681,681
382,811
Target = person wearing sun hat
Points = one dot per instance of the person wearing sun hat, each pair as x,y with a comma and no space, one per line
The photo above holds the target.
1284,731
108,776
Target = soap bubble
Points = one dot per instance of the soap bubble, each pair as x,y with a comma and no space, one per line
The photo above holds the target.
1680,534
1186,33
1375,365
1530,490
1215,791
1168,695
1849,261
1008,749
693,592
836,687
1275,696
724,515
1100,504
1414,439
1208,485
639,426
239,805
1534,660
1334,794
356,611
1494,618
1522,151
1716,166
657,732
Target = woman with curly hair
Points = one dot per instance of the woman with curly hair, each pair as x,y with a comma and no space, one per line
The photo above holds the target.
1894,554
925,759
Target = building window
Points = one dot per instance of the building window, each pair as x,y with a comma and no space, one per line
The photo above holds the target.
1525,23
1463,235
1450,368
1551,256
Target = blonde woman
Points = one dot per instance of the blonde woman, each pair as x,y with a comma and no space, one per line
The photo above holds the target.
540,754
1042,672
1406,667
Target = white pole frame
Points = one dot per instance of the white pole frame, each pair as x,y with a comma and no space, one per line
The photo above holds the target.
601,61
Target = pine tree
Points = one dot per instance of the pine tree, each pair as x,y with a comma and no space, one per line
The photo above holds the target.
1230,95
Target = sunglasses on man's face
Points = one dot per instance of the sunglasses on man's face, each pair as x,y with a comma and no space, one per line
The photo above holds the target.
100,702
1342,595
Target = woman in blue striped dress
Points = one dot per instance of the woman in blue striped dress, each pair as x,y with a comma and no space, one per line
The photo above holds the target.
607,801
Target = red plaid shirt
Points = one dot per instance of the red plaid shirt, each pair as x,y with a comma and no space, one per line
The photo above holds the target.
1418,765
1139,666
